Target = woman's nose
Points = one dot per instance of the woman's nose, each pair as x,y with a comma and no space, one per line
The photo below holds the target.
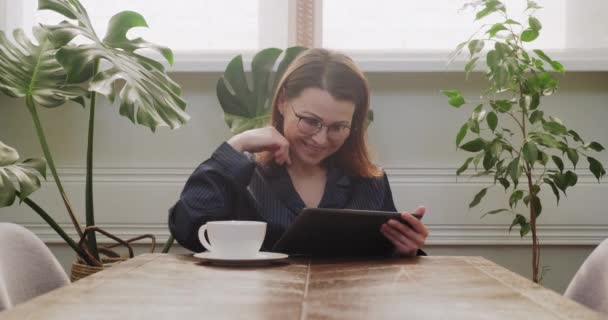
321,137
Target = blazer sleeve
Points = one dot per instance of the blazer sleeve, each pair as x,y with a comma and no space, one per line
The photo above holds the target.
387,203
210,194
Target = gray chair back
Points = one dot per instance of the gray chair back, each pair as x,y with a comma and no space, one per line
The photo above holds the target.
590,283
27,266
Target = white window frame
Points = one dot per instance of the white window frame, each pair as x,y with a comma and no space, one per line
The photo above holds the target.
302,25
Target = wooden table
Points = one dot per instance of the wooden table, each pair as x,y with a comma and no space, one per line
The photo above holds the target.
164,286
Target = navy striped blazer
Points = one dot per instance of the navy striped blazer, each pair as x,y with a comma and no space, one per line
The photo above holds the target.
232,186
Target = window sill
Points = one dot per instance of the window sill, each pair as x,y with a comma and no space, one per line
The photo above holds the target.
590,60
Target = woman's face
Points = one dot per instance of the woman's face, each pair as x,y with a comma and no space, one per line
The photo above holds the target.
304,115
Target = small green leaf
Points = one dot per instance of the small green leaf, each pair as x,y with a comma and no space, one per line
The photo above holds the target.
543,158
524,230
558,162
488,160
455,99
533,5
555,128
505,183
544,139
534,24
511,21
529,35
515,197
474,125
573,156
535,102
495,212
470,66
489,8
527,200
518,220
492,120
462,133
478,108
497,27
492,59
575,136
514,171
557,66
530,152
536,205
560,181
474,145
553,187
596,168
535,189
595,146
501,106
571,178
464,166
536,116
478,197
475,46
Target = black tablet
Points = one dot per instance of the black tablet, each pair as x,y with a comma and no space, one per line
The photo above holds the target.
337,232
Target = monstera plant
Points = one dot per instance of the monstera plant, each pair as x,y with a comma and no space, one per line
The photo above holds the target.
248,105
518,145
54,68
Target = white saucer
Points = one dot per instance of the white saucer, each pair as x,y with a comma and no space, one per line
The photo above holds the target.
259,257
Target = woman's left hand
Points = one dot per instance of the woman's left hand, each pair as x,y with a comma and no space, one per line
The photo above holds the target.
406,239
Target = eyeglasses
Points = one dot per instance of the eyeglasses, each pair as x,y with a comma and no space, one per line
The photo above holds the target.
312,126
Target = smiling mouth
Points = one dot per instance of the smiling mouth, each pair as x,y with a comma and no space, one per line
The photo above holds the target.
311,147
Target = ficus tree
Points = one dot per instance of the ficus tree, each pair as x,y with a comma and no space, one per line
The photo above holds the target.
510,137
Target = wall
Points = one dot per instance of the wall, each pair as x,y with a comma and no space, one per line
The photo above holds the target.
139,174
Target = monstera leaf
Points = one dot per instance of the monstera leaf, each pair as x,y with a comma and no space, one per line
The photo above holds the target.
148,96
247,106
24,173
30,70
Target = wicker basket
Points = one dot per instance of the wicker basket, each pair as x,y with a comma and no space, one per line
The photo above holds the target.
81,269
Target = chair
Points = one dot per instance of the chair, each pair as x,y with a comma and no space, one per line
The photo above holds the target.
27,266
590,283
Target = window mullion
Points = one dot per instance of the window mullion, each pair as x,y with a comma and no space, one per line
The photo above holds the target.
308,23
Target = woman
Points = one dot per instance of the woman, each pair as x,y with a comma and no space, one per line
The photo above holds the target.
313,155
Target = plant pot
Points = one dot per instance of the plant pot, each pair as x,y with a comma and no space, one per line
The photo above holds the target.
81,269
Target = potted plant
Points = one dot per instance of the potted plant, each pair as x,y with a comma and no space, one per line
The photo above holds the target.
53,69
520,146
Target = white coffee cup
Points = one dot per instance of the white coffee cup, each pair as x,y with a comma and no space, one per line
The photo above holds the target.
233,239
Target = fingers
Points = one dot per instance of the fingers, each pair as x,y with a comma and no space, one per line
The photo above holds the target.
407,238
281,153
416,224
402,244
406,231
281,156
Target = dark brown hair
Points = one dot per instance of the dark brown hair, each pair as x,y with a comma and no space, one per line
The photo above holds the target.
339,76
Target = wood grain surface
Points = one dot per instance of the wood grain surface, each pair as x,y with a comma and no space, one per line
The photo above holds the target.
166,286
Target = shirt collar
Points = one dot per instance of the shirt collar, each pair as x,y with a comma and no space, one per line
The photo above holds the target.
336,194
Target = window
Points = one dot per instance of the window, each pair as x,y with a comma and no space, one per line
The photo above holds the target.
383,35
424,25
183,25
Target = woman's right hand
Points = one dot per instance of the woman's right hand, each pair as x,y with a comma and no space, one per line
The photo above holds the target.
263,139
